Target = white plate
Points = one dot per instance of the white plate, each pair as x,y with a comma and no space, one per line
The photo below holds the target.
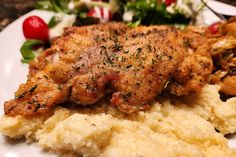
222,8
13,72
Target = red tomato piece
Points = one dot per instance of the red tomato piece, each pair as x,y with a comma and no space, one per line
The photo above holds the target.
35,28
214,28
169,2
104,14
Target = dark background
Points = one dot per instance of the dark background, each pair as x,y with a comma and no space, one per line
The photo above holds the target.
12,9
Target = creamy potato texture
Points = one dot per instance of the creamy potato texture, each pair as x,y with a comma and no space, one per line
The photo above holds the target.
173,127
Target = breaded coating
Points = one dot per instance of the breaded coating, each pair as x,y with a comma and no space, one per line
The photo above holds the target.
193,73
133,65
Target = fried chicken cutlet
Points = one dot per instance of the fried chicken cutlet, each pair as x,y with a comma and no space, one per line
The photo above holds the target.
133,65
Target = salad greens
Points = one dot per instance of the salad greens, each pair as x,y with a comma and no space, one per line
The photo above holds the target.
154,13
27,50
54,21
53,5
144,12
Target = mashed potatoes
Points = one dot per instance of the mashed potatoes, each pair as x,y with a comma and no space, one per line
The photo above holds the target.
171,128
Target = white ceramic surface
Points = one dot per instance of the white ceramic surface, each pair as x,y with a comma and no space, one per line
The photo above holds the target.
13,72
222,8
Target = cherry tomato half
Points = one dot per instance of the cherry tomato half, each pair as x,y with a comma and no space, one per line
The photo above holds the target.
104,14
35,28
214,28
169,2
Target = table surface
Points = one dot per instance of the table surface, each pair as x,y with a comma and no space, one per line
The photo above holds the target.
12,9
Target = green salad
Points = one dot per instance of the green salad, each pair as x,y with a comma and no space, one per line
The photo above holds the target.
134,12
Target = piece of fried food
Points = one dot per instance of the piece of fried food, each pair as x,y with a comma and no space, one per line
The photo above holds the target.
193,73
87,63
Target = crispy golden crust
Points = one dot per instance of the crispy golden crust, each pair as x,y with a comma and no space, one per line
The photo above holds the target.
87,63
193,73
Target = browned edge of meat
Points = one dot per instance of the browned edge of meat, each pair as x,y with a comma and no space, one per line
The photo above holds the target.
132,65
